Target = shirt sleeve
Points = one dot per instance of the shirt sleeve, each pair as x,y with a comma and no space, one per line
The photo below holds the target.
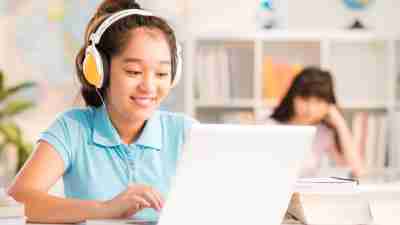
58,136
327,139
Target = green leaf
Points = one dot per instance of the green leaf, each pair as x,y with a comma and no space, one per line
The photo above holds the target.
11,133
3,145
15,107
4,93
1,81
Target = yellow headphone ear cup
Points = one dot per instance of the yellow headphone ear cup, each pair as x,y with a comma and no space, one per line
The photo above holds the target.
92,72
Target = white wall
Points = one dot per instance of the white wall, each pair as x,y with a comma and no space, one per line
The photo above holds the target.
3,42
382,15
208,14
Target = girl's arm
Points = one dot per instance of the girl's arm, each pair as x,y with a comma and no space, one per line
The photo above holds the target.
346,142
43,170
32,183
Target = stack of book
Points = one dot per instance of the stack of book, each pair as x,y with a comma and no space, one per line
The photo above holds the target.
328,201
11,212
370,130
224,73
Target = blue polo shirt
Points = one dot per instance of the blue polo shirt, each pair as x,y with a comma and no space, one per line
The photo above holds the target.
99,166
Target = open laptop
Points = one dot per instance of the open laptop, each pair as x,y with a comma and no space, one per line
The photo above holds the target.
235,174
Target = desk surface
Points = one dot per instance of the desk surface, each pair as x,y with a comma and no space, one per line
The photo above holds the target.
84,224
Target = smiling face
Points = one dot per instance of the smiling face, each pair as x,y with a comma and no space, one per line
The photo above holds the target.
140,76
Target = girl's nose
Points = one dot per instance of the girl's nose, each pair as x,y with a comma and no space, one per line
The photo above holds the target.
148,82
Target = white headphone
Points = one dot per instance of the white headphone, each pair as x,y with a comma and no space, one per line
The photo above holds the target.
95,65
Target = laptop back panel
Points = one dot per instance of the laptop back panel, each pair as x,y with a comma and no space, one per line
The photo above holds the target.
236,174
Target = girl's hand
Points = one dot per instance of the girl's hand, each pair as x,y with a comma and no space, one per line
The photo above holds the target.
135,198
334,117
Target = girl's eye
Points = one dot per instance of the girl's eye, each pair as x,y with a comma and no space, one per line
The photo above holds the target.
162,74
134,73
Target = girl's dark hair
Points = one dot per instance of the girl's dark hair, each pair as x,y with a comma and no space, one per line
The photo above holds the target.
310,82
114,40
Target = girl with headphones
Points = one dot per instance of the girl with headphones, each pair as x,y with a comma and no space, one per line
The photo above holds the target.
117,155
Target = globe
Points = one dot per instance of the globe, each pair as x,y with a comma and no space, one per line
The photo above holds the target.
266,4
357,4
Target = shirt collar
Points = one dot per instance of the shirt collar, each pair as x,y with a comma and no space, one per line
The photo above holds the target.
105,134
151,135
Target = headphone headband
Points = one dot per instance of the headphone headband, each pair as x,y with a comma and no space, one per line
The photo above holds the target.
94,66
96,36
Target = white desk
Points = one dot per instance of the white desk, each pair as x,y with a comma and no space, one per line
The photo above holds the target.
84,224
188,224
390,191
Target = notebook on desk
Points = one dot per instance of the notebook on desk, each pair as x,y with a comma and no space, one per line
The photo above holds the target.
235,174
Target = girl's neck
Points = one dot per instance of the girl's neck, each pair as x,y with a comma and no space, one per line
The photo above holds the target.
128,130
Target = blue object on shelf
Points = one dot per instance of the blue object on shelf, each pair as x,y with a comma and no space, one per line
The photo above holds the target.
266,4
357,4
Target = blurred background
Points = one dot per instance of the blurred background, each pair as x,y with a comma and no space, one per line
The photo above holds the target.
239,58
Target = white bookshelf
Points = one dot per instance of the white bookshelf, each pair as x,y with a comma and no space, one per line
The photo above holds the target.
235,103
356,59
365,66
292,35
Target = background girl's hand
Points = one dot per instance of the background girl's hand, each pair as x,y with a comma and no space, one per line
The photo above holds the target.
135,198
334,116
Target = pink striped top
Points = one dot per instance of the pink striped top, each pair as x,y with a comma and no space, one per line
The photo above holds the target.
323,145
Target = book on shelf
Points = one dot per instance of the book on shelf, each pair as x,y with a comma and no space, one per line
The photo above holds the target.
328,201
370,131
394,153
277,77
370,146
212,75
223,73
241,61
381,144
